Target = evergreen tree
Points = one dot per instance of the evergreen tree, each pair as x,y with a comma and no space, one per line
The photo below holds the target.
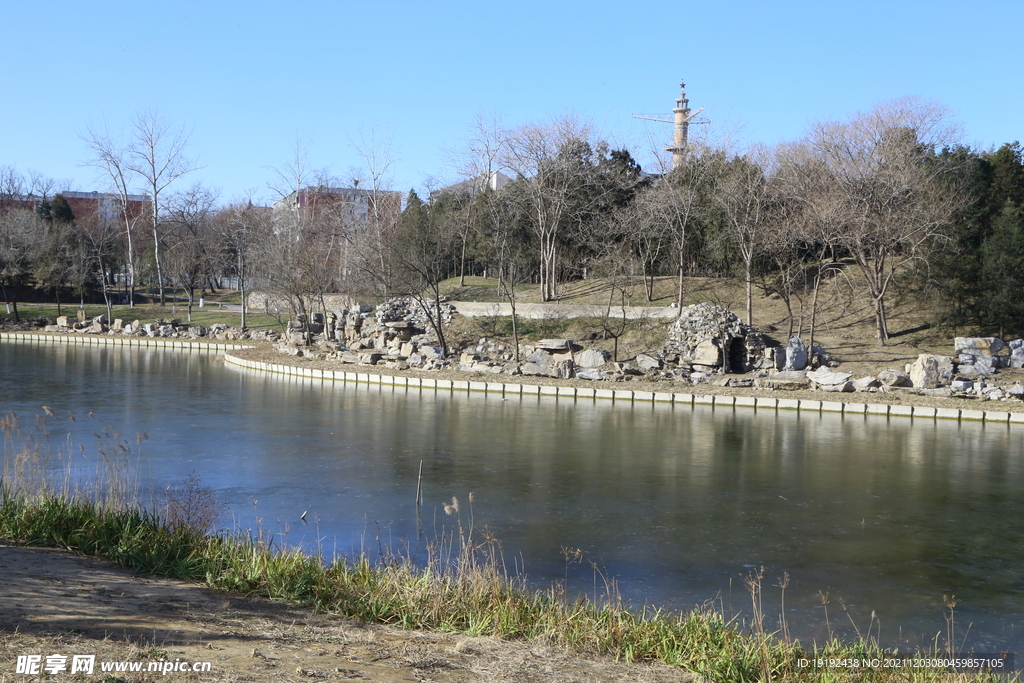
60,210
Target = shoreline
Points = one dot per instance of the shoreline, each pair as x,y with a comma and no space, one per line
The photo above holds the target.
262,359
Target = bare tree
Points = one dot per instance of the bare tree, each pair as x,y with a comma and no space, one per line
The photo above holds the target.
110,156
743,195
893,195
241,228
509,249
546,159
156,154
19,232
383,205
684,198
190,249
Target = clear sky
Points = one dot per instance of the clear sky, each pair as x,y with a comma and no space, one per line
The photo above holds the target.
250,78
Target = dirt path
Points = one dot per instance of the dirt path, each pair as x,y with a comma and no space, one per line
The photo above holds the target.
55,602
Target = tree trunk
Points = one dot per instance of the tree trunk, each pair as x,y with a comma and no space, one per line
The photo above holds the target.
750,295
814,309
881,326
681,284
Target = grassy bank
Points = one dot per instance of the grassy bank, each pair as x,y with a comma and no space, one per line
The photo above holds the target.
462,587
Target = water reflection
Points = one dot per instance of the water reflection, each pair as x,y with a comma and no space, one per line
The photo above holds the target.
676,504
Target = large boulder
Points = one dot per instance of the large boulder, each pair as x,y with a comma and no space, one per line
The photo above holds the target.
648,363
707,353
924,374
827,380
555,344
978,346
894,378
590,373
592,358
796,354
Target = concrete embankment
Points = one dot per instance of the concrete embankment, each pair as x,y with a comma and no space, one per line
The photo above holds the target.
120,340
628,396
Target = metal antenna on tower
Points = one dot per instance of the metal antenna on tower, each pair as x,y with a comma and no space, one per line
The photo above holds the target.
682,118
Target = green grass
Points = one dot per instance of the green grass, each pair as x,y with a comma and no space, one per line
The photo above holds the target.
462,587
150,312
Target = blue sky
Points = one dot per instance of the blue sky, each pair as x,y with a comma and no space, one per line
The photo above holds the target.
250,78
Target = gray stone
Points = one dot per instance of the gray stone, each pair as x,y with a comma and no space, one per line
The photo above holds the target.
824,377
842,387
564,369
540,357
1017,390
555,344
961,385
976,370
978,346
648,363
590,373
790,374
707,353
894,378
81,315
775,357
529,368
783,384
431,352
592,358
796,354
62,321
627,369
740,382
925,372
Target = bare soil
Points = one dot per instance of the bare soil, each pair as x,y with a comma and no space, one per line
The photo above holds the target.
56,602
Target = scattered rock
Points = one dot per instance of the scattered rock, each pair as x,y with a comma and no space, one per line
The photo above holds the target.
894,378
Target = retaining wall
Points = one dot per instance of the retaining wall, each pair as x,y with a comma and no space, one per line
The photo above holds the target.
104,340
517,390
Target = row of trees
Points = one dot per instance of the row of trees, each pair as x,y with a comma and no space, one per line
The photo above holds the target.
885,195
879,194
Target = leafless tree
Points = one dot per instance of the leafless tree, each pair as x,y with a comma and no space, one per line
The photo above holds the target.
891,193
156,154
383,205
20,230
542,157
242,227
190,245
110,156
743,195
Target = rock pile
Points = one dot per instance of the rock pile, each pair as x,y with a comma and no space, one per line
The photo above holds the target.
712,338
160,327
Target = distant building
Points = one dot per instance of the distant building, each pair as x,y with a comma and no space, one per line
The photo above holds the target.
105,205
495,180
102,205
353,207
